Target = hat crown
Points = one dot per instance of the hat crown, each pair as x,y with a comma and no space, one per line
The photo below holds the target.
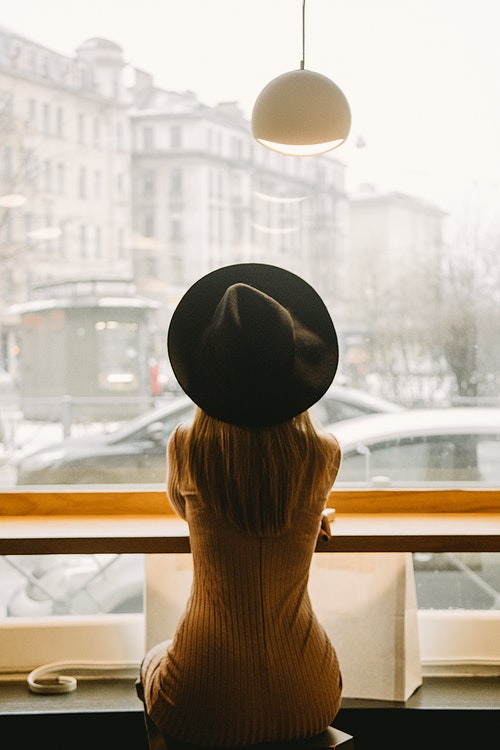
251,334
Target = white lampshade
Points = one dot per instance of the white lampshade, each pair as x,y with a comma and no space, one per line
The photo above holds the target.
301,113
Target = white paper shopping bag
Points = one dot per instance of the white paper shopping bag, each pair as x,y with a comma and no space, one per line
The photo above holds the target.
368,606
168,585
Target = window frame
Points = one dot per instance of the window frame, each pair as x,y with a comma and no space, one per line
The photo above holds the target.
462,514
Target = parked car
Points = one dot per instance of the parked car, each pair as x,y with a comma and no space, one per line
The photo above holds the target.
426,447
402,447
135,453
421,445
44,585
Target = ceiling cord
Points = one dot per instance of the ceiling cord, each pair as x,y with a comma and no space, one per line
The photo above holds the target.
302,62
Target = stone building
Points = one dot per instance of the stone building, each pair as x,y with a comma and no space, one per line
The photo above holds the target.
102,175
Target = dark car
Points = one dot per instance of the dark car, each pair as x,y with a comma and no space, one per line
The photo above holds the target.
135,453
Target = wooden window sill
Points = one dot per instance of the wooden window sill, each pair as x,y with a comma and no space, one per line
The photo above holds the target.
53,521
358,532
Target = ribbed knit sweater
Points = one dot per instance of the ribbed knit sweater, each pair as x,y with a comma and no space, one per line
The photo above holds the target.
249,661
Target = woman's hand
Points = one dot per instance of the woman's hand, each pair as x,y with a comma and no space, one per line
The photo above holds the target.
327,516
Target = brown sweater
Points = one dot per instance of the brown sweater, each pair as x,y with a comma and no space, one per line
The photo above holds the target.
249,661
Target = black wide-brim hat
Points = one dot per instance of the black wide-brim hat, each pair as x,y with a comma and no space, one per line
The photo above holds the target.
253,344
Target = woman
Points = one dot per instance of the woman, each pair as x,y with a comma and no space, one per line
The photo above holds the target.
254,347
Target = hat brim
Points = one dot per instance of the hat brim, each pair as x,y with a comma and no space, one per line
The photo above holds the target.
236,405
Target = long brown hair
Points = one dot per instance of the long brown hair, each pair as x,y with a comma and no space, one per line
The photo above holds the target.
255,477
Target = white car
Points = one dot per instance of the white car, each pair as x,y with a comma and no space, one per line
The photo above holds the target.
430,447
421,446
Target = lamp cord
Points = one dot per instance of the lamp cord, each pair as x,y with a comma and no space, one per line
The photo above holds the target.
39,679
302,62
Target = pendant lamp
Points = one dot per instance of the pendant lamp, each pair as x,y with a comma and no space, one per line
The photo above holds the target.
301,113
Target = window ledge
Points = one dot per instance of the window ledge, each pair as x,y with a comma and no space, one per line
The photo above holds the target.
118,695
107,715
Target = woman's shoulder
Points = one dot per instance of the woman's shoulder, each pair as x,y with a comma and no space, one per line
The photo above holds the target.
177,442
179,434
331,441
334,451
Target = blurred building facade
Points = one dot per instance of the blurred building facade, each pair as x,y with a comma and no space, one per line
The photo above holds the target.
104,174
101,177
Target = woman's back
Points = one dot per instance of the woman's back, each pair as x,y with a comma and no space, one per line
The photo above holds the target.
249,652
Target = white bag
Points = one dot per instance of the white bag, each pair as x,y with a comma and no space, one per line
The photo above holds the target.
367,603
168,585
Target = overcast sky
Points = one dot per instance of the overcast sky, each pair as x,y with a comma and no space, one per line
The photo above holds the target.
421,76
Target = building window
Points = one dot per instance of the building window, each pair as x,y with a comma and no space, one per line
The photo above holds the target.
97,184
82,182
97,131
176,136
81,128
60,122
148,138
149,226
83,240
47,175
46,118
119,136
237,148
32,108
148,183
176,182
176,229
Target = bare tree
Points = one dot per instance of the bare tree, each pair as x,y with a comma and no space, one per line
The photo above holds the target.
431,325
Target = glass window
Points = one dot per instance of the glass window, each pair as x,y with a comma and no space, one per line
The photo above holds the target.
398,230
